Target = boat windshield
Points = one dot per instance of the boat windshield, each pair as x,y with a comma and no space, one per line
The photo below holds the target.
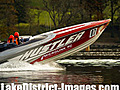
33,39
40,37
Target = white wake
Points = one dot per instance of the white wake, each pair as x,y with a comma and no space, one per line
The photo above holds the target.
22,65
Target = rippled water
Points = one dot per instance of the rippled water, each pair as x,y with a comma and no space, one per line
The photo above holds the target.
22,72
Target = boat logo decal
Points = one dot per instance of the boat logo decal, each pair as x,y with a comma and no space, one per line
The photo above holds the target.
93,32
54,46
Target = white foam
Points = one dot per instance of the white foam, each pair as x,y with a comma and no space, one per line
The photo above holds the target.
91,62
22,65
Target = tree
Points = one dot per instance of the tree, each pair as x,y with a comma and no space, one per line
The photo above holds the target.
21,8
114,7
62,12
8,18
95,8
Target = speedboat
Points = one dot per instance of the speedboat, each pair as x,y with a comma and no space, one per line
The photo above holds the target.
56,44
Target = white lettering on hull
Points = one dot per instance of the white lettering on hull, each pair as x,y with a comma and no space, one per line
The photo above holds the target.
52,46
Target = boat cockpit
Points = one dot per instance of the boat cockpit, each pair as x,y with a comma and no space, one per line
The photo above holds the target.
24,40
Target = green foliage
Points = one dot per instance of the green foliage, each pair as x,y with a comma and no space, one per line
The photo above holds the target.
38,16
8,18
21,7
24,29
6,31
36,3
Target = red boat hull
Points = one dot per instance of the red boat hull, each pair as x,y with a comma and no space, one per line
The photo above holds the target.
59,43
71,41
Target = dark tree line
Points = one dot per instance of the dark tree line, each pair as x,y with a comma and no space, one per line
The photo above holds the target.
67,11
61,12
8,17
21,7
12,12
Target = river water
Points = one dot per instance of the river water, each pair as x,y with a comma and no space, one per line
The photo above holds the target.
22,72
